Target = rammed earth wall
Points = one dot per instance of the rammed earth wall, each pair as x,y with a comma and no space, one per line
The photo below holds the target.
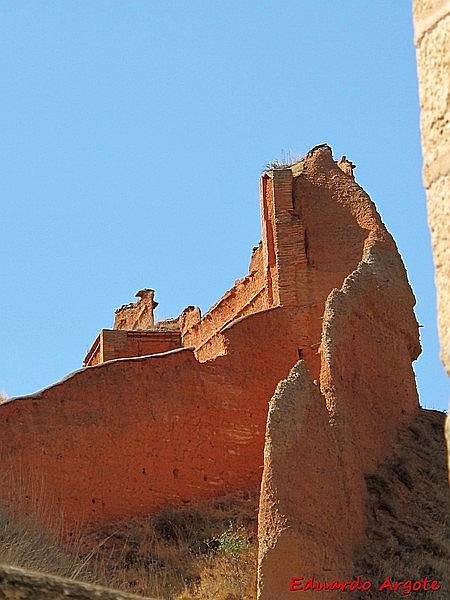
129,436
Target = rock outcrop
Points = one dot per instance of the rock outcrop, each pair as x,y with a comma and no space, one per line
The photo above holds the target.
302,524
19,584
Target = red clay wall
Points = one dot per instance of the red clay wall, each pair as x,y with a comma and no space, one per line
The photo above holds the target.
141,343
128,436
93,356
315,223
137,315
280,251
249,295
113,343
339,220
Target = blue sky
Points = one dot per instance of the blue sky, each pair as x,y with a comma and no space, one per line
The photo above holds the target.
133,137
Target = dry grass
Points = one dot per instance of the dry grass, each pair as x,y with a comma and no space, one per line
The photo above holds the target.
409,511
198,552
26,544
287,160
26,521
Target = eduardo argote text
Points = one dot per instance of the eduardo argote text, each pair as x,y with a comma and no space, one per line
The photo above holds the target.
389,584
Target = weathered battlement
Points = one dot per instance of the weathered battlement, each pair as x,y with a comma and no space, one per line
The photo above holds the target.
135,333
137,315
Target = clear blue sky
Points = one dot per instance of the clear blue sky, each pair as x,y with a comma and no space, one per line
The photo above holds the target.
133,137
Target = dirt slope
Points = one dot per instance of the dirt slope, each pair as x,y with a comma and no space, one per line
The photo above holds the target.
408,534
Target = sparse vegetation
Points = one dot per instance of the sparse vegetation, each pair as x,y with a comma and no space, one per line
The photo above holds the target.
287,160
233,543
200,551
25,543
205,551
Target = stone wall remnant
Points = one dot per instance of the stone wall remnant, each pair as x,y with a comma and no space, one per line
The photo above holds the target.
323,436
432,37
137,315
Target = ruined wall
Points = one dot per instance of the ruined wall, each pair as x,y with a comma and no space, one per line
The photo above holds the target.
321,442
135,333
370,338
272,278
340,220
137,315
307,212
151,342
128,436
115,343
302,504
246,297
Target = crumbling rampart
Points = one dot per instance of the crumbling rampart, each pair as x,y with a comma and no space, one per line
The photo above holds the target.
127,436
322,440
137,315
